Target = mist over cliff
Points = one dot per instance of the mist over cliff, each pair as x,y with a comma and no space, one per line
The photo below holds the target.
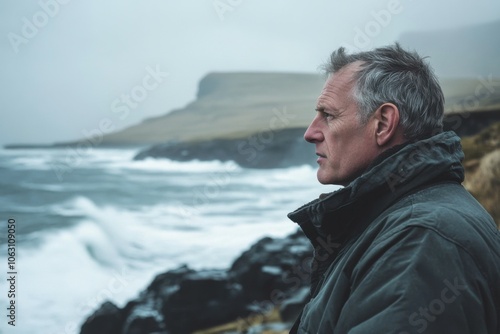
235,105
467,52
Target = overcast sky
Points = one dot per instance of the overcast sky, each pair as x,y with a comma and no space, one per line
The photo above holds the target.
66,64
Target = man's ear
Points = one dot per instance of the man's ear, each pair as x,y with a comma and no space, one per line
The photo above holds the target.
387,120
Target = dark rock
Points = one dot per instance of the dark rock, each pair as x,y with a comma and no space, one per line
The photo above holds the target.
204,299
470,123
183,300
271,149
144,319
272,266
291,307
106,320
166,284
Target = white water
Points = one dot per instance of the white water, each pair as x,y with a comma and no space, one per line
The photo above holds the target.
102,249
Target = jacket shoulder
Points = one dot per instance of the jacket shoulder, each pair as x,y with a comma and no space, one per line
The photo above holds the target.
449,212
446,208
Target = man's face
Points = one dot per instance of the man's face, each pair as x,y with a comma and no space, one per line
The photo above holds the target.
345,147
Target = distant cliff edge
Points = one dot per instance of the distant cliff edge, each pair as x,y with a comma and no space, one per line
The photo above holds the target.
231,106
238,115
258,119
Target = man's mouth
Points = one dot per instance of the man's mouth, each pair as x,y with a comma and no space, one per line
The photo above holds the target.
321,157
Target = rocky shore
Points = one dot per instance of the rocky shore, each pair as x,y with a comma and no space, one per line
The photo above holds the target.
263,291
265,288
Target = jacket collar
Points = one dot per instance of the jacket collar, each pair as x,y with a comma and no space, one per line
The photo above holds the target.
393,174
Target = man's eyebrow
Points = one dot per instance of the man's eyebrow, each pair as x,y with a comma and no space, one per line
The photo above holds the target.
322,108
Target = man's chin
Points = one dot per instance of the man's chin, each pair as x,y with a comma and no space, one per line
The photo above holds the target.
323,182
324,179
329,179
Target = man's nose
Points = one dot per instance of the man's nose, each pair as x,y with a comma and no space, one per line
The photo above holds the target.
313,133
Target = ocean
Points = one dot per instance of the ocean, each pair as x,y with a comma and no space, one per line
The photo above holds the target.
103,226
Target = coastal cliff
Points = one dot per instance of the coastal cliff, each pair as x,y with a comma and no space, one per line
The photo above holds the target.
231,106
242,112
258,120
236,106
265,289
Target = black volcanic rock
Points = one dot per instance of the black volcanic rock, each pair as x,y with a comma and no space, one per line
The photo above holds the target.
269,267
106,320
183,300
144,318
204,299
271,149
292,306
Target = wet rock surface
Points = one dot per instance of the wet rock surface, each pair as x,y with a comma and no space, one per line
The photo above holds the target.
184,300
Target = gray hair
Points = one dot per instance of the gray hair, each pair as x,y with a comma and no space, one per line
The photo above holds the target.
393,75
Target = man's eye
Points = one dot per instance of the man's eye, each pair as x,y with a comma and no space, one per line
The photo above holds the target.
326,115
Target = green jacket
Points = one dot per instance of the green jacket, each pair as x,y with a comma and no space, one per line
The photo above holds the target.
402,249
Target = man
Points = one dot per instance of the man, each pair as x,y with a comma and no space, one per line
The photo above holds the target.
411,250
